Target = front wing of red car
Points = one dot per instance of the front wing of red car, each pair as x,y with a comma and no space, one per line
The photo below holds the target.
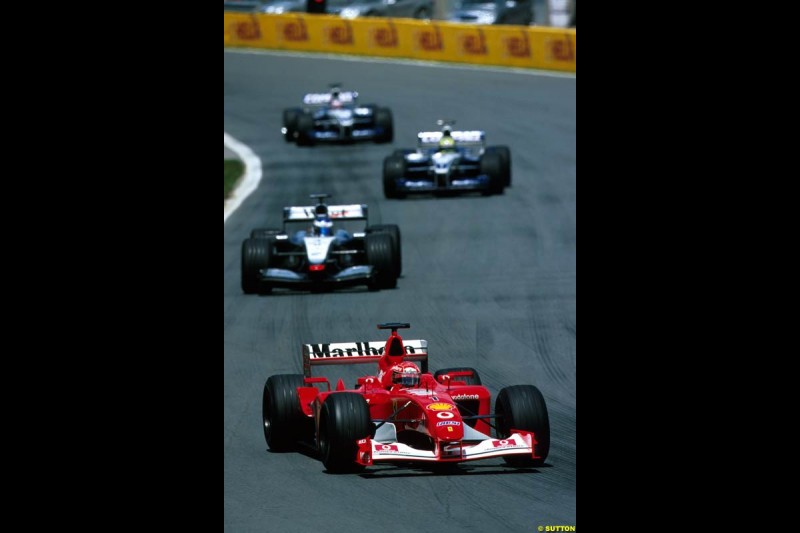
520,442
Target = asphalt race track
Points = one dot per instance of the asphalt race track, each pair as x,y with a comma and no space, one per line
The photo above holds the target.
490,282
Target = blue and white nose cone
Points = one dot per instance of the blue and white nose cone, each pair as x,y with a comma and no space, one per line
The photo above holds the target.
443,162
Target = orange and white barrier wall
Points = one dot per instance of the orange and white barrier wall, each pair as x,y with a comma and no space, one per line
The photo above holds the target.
512,46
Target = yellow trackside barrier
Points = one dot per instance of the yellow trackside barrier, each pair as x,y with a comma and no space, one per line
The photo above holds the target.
513,46
242,29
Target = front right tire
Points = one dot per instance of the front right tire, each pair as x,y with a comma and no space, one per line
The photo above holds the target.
290,123
379,249
256,255
394,231
305,129
505,162
344,420
394,168
383,120
492,166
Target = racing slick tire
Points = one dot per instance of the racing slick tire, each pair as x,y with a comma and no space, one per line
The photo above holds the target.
523,407
474,379
262,233
394,231
290,123
283,422
384,121
492,165
394,168
505,162
343,420
380,254
256,254
305,128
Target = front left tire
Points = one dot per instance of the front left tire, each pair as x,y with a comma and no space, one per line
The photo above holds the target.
523,407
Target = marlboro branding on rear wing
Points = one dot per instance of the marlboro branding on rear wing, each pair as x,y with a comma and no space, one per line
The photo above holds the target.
344,353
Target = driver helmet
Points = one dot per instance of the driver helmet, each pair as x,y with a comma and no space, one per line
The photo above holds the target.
322,222
335,101
405,374
447,142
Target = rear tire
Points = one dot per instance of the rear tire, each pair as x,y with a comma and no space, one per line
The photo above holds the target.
523,407
344,419
283,421
256,255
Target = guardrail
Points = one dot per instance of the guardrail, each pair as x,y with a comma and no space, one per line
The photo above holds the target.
511,46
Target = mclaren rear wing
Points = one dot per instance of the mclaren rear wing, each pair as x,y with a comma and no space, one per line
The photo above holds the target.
348,353
430,139
336,212
346,97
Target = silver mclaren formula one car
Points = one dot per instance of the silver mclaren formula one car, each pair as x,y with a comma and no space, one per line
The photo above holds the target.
336,116
310,253
447,161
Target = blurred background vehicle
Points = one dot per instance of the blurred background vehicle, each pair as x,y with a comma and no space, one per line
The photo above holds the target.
558,13
492,12
418,9
276,7
241,5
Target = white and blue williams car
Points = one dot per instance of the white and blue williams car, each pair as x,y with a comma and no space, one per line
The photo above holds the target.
336,116
447,161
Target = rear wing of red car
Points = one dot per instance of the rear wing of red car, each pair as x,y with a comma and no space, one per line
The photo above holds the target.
348,353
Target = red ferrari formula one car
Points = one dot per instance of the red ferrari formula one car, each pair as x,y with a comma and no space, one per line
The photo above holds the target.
402,413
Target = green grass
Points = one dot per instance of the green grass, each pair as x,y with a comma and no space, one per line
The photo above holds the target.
233,171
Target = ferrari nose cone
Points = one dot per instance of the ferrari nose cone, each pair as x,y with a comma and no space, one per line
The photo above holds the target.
450,429
446,421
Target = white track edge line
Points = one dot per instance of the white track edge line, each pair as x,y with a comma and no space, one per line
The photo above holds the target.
252,175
